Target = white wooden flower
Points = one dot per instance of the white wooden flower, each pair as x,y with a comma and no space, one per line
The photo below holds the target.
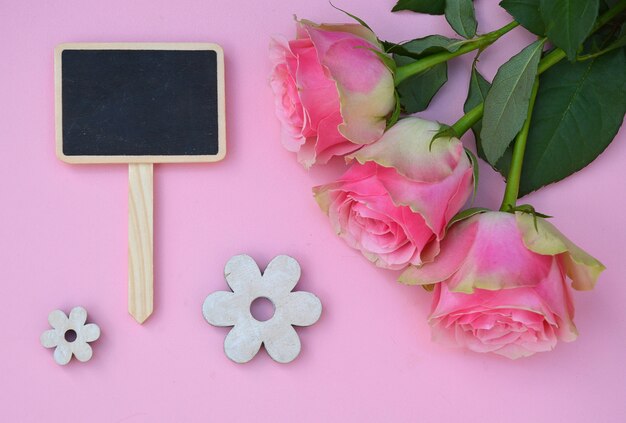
70,335
225,308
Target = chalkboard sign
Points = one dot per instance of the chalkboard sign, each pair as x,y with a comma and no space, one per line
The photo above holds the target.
140,103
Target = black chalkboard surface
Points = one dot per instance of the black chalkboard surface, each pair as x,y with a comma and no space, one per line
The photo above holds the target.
134,103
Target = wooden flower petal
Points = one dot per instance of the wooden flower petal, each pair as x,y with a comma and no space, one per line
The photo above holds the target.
282,274
61,325
50,338
301,308
58,320
78,317
90,332
223,308
62,353
242,342
241,271
82,351
284,346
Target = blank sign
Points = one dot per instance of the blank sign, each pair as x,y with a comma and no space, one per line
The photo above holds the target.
140,103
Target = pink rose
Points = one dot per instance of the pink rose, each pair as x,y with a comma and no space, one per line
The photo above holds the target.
502,284
394,204
333,93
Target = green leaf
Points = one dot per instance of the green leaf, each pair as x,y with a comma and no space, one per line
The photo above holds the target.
478,89
461,17
432,7
388,46
475,170
569,22
503,165
528,209
579,109
465,214
417,91
356,18
506,104
395,115
606,38
527,13
421,47
445,131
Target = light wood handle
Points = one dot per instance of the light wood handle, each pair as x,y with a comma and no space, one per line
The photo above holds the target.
140,274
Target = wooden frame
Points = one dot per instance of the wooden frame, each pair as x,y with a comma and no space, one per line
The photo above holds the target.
140,159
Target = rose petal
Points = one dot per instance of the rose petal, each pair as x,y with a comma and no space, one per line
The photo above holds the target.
364,214
356,29
407,148
513,351
454,250
498,258
328,142
433,181
317,91
581,268
366,96
436,202
557,298
288,106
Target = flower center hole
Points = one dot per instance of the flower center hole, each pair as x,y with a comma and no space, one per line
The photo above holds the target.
70,335
262,309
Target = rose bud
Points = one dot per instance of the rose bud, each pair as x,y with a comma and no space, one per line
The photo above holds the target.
501,284
332,92
394,204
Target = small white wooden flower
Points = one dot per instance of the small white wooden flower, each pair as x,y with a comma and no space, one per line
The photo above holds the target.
225,308
70,335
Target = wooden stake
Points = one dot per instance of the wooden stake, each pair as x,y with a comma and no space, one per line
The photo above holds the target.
140,273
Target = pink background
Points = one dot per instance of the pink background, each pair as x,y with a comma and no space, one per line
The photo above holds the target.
63,237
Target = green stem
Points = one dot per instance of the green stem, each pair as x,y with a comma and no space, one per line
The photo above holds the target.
596,54
421,65
550,59
515,172
468,120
